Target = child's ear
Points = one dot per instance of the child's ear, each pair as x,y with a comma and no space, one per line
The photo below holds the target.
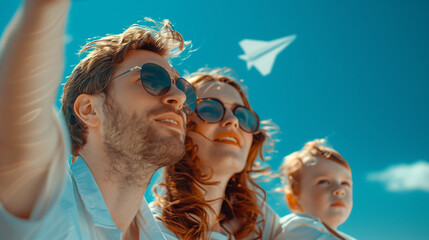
293,203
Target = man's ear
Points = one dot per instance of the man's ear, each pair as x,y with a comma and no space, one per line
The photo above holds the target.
293,203
84,107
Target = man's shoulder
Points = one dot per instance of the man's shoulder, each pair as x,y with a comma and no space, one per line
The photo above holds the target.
150,227
154,208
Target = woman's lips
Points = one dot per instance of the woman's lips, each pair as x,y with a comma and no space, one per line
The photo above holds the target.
229,138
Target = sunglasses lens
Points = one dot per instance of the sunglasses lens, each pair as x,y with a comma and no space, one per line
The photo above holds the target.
155,79
247,120
210,110
191,97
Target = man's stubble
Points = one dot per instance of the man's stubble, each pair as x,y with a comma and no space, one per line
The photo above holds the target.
135,146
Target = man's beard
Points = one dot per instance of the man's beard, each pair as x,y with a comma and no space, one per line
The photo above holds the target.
135,147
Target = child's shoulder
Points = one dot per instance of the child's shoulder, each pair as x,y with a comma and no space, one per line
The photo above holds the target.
307,226
297,219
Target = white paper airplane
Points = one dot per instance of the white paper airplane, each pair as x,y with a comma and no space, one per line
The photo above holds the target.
262,54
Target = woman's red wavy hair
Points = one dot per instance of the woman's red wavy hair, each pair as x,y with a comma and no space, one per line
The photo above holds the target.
182,203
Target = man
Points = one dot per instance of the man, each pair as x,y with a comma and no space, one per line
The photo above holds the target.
124,106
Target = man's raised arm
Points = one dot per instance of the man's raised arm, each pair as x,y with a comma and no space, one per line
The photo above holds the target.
31,67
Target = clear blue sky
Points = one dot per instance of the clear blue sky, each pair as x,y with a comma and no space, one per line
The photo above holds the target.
358,73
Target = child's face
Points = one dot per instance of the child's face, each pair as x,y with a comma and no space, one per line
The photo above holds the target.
326,192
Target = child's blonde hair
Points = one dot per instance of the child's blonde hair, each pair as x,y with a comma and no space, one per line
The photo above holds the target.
311,152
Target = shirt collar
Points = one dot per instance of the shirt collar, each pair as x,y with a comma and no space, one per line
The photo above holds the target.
90,194
148,227
95,205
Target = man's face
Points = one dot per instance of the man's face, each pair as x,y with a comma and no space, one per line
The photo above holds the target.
326,191
140,130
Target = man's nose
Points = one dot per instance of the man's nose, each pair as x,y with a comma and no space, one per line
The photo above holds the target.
174,97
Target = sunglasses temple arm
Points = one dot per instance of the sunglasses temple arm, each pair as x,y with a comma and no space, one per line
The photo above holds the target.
136,67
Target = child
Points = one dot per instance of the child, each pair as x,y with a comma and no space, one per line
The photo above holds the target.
318,192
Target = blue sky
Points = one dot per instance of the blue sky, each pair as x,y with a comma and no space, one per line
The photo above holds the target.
357,73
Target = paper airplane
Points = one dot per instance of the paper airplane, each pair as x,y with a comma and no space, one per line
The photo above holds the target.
262,54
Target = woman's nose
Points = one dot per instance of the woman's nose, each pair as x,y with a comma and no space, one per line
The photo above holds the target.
230,119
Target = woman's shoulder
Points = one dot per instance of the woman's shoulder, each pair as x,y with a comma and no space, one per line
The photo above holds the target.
169,235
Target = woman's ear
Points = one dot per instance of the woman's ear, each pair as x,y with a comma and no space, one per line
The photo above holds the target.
293,203
84,107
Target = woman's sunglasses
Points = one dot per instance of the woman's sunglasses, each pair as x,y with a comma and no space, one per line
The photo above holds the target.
157,82
212,110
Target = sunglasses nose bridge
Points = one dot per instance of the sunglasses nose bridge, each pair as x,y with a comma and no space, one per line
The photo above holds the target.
174,97
229,119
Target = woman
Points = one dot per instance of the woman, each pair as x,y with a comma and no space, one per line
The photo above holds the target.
210,193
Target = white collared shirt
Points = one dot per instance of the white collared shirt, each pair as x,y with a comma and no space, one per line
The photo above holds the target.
77,212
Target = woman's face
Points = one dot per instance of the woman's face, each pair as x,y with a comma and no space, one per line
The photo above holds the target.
222,146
